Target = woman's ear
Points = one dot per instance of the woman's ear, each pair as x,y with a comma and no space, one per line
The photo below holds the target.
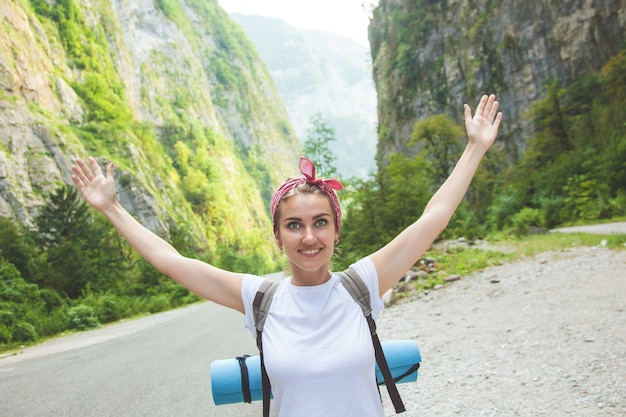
277,240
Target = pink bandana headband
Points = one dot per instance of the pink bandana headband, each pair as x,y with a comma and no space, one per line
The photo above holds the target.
308,170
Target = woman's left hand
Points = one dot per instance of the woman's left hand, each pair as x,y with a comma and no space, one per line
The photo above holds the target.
482,128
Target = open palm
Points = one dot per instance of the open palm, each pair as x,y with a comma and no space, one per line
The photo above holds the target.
98,190
482,128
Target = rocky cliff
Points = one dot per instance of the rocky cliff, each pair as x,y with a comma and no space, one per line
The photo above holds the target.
152,85
432,56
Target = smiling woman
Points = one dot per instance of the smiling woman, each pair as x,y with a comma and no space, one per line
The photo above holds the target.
347,17
316,342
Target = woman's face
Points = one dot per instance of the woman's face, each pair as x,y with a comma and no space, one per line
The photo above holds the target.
306,231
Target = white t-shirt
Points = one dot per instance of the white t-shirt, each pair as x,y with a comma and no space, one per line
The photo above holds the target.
317,347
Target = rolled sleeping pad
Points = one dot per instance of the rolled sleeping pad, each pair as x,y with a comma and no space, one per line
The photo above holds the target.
228,385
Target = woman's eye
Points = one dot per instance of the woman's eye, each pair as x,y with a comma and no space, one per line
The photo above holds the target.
293,225
321,222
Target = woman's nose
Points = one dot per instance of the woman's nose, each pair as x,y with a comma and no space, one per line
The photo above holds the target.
309,234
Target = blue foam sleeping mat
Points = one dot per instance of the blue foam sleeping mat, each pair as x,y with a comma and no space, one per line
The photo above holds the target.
403,357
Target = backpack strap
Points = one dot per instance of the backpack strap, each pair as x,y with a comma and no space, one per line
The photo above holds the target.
357,288
261,306
261,303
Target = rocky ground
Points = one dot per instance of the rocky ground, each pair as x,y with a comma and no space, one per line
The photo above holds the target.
544,336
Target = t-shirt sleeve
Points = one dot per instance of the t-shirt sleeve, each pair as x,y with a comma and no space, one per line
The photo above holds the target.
249,287
367,271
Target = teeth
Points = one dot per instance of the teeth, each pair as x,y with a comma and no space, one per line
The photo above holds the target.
310,252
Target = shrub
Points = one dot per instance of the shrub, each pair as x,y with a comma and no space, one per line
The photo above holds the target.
82,317
7,318
23,332
5,335
524,220
552,213
157,303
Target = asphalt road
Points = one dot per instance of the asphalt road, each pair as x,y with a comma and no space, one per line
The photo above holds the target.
157,366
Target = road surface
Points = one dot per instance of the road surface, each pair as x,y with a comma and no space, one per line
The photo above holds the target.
157,367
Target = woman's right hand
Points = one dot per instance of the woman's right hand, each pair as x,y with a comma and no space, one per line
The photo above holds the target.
98,190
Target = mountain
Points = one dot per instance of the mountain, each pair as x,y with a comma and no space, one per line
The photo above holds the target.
172,91
432,56
321,72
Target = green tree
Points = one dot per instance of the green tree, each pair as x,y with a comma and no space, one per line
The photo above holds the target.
381,208
317,146
16,244
439,139
77,248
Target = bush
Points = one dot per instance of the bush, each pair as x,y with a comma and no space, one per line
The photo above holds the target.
108,307
504,207
157,303
524,220
82,317
23,332
54,322
7,318
5,335
552,213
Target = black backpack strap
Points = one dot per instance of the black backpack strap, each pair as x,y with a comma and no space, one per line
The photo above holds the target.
261,306
359,291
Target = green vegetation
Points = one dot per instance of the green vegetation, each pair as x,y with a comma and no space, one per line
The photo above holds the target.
74,271
573,171
317,146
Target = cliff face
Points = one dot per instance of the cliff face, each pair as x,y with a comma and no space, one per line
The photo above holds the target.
432,56
174,70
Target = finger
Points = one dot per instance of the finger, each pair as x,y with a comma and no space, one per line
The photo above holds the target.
489,106
81,171
468,113
110,170
496,122
481,105
493,111
94,165
78,182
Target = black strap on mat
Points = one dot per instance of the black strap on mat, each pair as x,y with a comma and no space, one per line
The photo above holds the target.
408,372
245,378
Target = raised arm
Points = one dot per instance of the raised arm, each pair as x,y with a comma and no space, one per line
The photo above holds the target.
207,281
394,259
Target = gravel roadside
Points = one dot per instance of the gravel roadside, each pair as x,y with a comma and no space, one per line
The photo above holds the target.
544,336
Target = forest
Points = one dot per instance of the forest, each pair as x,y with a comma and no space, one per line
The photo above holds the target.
74,272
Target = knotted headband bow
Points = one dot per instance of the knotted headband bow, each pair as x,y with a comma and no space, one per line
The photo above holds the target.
328,187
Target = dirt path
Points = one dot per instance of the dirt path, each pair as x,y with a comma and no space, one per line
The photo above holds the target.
545,336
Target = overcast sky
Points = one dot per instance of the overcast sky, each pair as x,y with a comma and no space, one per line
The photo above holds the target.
345,17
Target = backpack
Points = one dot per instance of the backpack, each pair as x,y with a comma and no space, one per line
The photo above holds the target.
355,286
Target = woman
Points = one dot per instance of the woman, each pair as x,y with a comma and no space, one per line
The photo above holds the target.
316,343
